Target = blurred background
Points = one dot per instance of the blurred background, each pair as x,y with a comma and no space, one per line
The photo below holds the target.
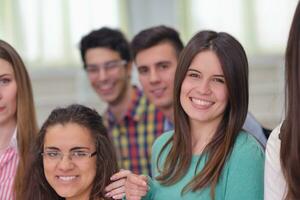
47,32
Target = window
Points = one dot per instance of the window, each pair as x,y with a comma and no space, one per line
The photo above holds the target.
48,32
261,26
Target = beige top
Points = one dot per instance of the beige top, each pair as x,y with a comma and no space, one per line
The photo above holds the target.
275,185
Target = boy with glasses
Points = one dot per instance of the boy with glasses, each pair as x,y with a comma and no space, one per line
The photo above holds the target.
133,123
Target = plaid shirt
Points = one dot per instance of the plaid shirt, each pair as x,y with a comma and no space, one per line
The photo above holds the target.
134,135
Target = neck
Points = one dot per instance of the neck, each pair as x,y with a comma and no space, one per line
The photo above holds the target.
168,112
119,109
201,134
7,131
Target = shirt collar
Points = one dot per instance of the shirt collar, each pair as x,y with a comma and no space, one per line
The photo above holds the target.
13,141
135,109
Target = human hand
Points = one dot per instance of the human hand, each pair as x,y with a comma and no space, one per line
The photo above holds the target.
136,186
116,189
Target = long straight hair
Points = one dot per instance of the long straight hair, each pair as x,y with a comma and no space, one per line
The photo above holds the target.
26,118
289,134
235,68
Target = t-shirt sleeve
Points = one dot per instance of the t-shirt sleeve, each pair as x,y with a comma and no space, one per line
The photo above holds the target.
156,148
245,176
274,181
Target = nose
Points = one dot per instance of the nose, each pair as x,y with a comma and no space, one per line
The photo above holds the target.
204,87
102,74
65,163
154,76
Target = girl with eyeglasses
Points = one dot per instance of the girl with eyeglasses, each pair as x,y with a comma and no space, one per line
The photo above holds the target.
73,157
18,126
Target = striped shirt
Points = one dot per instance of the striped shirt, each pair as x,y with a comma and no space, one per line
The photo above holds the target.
134,134
8,165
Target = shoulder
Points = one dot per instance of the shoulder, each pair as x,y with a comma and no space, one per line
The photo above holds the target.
247,149
160,142
244,169
273,144
245,140
275,184
272,161
162,139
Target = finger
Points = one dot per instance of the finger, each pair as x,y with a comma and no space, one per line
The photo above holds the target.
121,174
132,189
114,185
133,198
119,196
136,191
144,178
116,191
135,179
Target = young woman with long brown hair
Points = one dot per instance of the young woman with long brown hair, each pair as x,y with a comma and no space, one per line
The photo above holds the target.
73,157
208,156
282,167
18,126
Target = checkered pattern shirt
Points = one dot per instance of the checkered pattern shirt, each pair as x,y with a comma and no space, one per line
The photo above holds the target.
134,135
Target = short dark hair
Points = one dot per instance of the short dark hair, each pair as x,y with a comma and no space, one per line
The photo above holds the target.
106,37
153,36
106,161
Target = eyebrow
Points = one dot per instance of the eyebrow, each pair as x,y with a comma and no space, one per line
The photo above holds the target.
163,62
79,148
72,149
3,75
215,75
52,148
194,70
156,64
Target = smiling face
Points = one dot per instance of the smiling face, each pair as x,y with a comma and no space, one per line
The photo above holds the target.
110,84
156,68
8,93
72,179
204,94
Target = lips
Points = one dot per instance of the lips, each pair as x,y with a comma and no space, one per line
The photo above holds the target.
201,103
66,178
2,108
105,89
159,92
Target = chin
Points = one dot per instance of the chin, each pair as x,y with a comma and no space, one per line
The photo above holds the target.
163,104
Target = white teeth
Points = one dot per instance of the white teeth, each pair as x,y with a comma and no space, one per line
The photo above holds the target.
201,102
66,178
105,87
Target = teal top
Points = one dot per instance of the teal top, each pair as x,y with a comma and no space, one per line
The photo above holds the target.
242,176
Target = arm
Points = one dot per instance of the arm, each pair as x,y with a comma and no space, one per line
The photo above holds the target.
274,181
245,175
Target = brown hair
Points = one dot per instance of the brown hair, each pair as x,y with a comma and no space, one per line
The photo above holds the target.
289,134
153,36
106,161
235,67
26,117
